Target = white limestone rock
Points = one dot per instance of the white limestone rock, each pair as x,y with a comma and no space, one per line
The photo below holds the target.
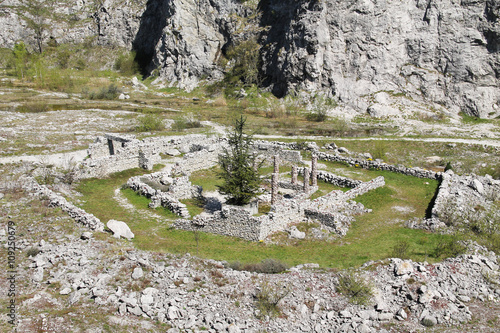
120,229
296,233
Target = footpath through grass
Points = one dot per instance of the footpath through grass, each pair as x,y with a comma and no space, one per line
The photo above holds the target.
372,237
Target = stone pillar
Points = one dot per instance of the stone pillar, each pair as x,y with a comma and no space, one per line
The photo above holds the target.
276,164
314,170
306,180
294,174
274,188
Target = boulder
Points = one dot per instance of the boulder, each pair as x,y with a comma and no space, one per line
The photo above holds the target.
120,229
295,233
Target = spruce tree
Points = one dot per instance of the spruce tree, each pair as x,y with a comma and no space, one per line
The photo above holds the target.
239,170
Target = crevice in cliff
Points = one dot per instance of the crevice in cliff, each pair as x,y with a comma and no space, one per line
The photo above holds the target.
153,22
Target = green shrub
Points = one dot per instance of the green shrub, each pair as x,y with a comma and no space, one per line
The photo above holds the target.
150,123
448,248
186,122
379,150
32,251
400,250
107,93
354,287
126,64
267,266
268,298
33,107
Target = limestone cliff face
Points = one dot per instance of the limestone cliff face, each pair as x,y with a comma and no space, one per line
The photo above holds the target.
442,51
105,22
184,39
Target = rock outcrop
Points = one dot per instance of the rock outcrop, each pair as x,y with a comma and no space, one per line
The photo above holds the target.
445,52
380,57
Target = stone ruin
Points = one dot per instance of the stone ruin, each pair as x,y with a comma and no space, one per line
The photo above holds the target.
461,195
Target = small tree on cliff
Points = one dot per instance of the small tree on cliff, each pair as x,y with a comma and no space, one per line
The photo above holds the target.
239,169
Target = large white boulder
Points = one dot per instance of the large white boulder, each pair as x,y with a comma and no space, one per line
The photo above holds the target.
120,229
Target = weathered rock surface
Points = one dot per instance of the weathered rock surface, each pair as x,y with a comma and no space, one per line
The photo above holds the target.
440,51
120,229
379,57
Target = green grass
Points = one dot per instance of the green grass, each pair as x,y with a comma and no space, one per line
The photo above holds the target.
207,179
372,237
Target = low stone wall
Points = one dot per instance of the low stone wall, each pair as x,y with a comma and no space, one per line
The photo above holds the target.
113,153
282,214
364,188
270,149
168,201
199,160
78,214
367,164
230,221
164,199
334,179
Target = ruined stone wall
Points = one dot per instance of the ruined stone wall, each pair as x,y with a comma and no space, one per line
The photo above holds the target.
334,179
282,214
270,149
460,196
56,200
230,221
367,164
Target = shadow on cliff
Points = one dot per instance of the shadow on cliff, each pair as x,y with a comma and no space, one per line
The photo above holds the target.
153,21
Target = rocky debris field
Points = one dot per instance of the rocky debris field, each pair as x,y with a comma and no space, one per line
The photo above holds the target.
86,282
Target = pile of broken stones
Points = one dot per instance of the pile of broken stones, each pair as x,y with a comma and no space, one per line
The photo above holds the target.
190,293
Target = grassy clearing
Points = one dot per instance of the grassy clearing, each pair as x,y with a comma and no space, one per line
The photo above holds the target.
372,237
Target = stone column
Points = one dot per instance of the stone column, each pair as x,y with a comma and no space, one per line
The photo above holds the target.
276,164
314,170
306,180
274,188
294,174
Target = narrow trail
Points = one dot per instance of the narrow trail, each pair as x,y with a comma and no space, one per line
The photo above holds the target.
489,142
65,160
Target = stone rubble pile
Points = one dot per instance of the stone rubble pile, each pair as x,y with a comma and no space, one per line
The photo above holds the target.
462,195
189,293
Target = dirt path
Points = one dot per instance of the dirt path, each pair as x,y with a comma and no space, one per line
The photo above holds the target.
492,143
63,160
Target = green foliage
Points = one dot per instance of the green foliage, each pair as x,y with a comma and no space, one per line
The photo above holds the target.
150,123
467,119
239,169
106,93
401,249
32,251
185,122
448,166
268,298
353,286
20,59
448,248
37,15
320,106
245,57
267,266
126,64
379,150
33,107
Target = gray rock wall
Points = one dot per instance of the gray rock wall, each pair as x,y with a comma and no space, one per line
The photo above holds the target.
440,51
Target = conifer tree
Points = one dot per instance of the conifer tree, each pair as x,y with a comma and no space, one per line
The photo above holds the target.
239,169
